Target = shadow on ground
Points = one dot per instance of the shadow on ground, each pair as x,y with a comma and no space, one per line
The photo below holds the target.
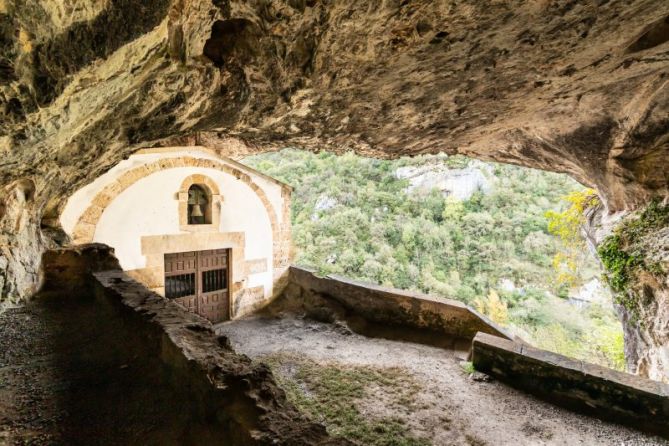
70,374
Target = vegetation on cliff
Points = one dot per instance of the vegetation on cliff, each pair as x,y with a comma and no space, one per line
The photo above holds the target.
493,250
624,254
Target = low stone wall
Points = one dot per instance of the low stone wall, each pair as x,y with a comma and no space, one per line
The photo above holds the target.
233,400
225,397
393,308
68,270
577,385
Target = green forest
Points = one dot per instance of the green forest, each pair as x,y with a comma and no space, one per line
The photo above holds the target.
503,249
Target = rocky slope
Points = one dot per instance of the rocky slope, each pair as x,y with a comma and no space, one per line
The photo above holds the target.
460,184
571,86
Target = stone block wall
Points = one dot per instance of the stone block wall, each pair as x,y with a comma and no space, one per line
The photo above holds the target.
228,399
68,270
233,401
391,307
577,385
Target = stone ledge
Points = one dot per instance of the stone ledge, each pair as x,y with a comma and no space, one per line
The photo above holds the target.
68,270
231,389
577,385
391,306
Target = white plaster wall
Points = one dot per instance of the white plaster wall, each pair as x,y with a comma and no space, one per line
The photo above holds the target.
150,207
269,186
273,192
81,199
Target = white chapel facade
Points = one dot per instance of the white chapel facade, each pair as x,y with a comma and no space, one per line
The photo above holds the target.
196,227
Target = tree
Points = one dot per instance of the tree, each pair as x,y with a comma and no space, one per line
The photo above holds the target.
460,249
493,307
567,226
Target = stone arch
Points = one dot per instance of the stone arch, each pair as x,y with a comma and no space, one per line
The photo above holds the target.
199,179
84,230
215,196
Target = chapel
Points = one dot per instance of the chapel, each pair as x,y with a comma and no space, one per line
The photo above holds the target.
196,227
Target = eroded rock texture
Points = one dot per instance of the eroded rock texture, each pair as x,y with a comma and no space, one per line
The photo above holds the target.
21,241
572,86
634,249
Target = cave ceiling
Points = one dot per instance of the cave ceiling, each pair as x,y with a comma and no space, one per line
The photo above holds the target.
571,86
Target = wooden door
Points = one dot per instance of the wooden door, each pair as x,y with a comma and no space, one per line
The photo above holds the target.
181,279
213,287
198,280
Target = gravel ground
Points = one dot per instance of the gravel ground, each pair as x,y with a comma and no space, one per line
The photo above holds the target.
451,408
28,409
61,383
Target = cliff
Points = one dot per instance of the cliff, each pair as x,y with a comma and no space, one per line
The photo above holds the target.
574,87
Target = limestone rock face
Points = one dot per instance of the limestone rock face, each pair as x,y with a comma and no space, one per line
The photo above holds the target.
21,242
643,301
647,349
562,85
646,315
576,87
460,184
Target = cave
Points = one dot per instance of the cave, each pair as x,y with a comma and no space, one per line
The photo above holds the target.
563,86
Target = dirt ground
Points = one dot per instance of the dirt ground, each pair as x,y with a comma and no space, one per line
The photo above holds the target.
448,407
64,382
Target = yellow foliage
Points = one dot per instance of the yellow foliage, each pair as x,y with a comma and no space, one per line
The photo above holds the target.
604,345
567,225
566,267
454,209
493,307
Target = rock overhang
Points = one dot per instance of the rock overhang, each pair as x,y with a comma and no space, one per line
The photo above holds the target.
580,89
558,85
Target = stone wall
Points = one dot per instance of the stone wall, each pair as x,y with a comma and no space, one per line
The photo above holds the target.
392,308
240,401
237,399
229,399
581,386
68,270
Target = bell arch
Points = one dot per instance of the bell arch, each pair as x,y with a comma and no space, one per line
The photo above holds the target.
210,209
199,205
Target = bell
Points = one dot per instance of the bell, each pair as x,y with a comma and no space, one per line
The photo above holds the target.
197,211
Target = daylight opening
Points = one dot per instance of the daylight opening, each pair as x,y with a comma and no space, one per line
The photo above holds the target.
503,239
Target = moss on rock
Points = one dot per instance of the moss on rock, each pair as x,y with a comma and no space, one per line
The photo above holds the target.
624,254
